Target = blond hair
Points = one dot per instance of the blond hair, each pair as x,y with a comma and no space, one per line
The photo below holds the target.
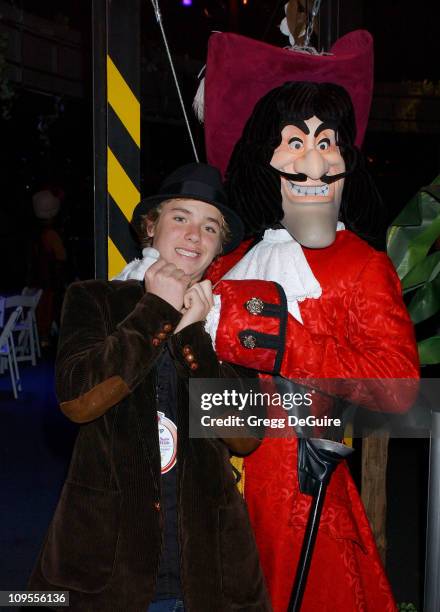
153,215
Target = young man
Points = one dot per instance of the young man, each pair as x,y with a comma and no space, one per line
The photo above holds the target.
150,519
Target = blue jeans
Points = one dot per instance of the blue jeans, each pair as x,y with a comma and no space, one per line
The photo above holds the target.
167,605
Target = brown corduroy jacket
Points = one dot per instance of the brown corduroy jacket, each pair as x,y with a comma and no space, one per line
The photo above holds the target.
104,542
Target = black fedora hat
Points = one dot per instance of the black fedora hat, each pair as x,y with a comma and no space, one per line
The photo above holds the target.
195,181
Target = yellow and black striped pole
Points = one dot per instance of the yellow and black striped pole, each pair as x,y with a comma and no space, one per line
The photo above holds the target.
116,91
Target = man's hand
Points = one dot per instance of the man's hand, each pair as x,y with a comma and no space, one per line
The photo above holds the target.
168,282
197,302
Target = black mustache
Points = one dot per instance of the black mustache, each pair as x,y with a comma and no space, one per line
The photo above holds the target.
352,158
301,178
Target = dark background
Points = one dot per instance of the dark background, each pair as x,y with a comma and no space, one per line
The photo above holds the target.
47,139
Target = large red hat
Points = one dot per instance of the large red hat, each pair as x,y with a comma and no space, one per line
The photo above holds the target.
241,70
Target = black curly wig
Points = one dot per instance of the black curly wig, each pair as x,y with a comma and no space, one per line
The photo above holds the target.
254,186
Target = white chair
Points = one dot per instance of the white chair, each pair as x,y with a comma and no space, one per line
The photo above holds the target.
8,358
36,293
28,344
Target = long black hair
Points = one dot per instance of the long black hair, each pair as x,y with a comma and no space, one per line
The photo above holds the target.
254,186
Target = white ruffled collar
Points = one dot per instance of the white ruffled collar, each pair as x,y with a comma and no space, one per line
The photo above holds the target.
279,257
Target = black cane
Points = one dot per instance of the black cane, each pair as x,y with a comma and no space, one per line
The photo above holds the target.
317,460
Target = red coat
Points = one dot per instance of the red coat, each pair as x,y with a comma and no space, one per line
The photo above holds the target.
358,329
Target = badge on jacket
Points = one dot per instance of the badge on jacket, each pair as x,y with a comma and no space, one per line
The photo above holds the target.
167,442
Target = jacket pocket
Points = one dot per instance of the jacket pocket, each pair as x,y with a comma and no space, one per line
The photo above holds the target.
242,579
80,549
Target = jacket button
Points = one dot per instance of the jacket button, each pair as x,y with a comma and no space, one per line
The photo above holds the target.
187,350
157,506
155,341
194,365
249,341
255,306
189,357
167,328
161,335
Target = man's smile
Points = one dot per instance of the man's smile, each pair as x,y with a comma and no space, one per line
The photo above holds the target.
308,190
186,253
302,194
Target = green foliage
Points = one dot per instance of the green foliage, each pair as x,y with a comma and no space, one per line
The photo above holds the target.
412,246
406,607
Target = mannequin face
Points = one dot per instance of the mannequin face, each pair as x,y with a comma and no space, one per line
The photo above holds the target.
311,207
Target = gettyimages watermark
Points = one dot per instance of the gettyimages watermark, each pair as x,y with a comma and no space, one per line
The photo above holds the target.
323,408
245,401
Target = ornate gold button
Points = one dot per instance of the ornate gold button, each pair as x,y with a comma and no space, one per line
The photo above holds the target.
167,328
155,341
249,341
186,349
255,306
194,365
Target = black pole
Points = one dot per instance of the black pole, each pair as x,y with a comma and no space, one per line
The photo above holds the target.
99,37
307,549
116,131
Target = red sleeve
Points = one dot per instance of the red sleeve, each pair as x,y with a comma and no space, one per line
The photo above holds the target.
253,322
378,339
